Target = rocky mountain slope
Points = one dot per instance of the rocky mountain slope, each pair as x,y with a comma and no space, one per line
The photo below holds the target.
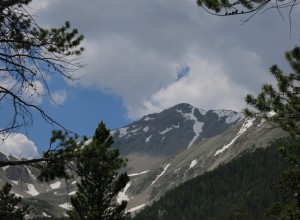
164,150
243,188
156,137
206,155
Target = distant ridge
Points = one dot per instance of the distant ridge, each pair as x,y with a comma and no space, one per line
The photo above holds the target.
164,150
158,136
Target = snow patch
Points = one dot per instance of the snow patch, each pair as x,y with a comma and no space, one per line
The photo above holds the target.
262,122
203,112
185,115
113,132
231,116
15,182
122,196
175,171
123,132
72,193
247,124
137,174
193,163
234,117
88,141
162,173
136,208
5,168
146,129
16,194
30,173
66,205
197,125
148,139
271,114
165,131
148,118
197,128
45,215
55,185
31,190
135,130
176,126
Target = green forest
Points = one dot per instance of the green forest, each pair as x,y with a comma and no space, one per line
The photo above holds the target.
241,189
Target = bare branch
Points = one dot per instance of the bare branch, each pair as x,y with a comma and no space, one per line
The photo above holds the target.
28,54
23,162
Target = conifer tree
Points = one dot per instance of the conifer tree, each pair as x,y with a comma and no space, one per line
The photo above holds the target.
100,183
10,208
29,54
237,7
280,106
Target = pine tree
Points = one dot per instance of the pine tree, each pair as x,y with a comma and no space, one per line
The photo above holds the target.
238,7
28,55
281,106
97,167
10,208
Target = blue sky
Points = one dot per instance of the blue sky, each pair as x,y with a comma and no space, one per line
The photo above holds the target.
134,50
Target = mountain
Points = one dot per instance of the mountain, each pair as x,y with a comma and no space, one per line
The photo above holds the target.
164,150
46,199
146,187
156,137
240,189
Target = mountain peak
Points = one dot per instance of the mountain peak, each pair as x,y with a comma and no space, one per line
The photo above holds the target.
185,108
169,132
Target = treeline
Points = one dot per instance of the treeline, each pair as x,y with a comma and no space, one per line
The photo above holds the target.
241,189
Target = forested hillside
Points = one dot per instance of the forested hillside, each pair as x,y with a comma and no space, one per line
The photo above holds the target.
241,189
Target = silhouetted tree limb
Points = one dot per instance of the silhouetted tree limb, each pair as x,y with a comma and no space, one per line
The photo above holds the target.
250,7
29,55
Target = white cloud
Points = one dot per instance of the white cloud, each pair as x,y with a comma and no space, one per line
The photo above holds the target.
146,79
117,65
40,5
207,86
18,145
59,97
32,93
135,52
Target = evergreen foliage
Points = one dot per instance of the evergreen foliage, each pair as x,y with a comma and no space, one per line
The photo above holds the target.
95,164
100,183
10,208
57,160
280,106
28,55
240,189
236,7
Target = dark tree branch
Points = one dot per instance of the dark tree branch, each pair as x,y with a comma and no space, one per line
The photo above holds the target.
28,53
23,162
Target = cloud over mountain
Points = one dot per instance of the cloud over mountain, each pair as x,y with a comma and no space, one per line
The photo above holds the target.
18,145
134,50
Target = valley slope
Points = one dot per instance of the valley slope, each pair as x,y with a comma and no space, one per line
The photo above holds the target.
164,150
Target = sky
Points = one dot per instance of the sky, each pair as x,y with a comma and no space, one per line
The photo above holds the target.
145,56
